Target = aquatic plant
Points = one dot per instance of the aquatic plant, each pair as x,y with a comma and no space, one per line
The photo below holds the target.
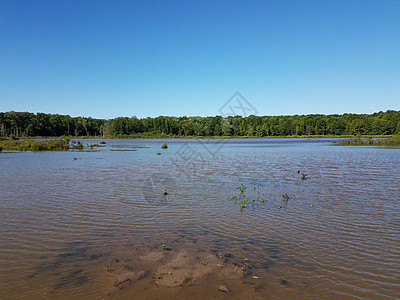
232,198
102,143
393,141
162,245
158,153
244,200
241,188
78,146
164,146
244,262
32,145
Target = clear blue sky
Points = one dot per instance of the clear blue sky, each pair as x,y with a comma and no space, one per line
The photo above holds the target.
149,58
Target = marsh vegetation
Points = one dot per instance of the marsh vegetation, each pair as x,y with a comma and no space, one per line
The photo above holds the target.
393,141
60,144
32,145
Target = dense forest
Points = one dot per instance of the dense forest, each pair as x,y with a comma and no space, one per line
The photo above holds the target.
25,124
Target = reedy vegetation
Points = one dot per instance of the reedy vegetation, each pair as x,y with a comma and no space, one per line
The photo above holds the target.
32,145
394,141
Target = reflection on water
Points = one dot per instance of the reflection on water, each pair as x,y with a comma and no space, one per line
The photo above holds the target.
93,225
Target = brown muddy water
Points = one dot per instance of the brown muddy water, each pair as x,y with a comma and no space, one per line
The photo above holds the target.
90,224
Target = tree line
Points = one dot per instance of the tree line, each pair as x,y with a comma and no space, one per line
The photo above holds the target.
25,124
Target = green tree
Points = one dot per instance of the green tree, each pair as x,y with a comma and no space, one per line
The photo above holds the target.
359,126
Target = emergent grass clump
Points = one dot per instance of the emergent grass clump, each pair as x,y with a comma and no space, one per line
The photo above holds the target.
32,145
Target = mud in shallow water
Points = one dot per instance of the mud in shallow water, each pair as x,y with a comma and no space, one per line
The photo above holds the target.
184,270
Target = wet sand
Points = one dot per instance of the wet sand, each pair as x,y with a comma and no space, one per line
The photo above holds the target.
182,270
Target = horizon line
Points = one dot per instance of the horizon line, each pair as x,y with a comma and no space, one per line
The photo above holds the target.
209,116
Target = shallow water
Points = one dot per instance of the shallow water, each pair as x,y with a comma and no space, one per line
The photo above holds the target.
91,223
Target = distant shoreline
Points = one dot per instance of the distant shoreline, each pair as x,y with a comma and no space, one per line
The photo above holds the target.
63,143
24,124
123,137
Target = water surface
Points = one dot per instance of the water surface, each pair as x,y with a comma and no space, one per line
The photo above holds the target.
91,223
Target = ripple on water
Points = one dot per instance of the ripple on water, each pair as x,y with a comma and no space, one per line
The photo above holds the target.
62,221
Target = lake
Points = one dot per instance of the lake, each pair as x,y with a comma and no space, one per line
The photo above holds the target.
96,224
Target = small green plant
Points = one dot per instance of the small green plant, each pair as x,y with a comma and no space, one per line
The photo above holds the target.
12,137
244,262
75,158
232,198
78,146
158,153
164,146
242,189
244,200
102,143
162,245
